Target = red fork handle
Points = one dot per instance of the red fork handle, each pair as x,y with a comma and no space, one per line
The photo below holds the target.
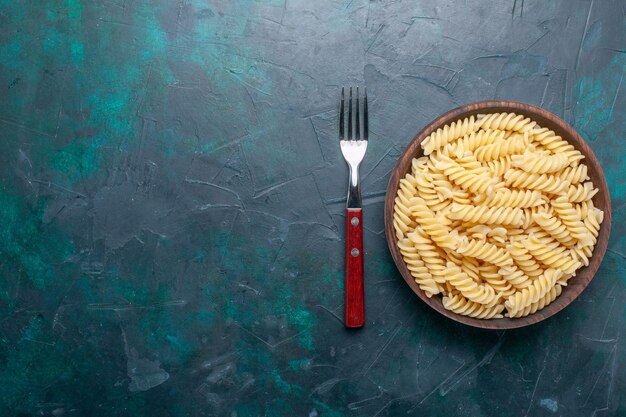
355,304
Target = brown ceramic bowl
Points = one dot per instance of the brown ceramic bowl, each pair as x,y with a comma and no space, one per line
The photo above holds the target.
601,200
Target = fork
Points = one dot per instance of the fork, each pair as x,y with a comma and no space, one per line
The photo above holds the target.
353,150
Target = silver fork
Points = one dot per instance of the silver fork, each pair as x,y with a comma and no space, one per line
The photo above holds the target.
353,150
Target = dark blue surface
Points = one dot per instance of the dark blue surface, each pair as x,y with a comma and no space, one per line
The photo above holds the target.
172,197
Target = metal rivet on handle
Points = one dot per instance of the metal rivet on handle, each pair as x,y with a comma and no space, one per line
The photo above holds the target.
354,221
355,252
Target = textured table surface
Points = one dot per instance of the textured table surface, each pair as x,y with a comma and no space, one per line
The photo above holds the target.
172,196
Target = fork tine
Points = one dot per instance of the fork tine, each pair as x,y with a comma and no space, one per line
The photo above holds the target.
365,121
350,116
341,100
357,122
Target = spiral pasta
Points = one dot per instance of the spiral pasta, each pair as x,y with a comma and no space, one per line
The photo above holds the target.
474,140
566,212
551,255
544,182
499,166
506,121
463,306
538,305
583,209
429,253
482,294
448,133
468,265
529,223
497,217
484,251
554,227
419,165
417,267
515,276
438,232
468,161
523,259
573,175
487,215
581,192
461,196
533,293
490,274
427,191
554,143
592,222
539,163
541,235
402,221
501,148
482,231
466,179
506,197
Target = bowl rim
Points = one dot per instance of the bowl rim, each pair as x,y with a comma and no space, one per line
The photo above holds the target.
601,200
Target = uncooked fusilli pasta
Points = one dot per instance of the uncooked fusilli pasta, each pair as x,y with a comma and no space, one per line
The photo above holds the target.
540,164
497,217
506,197
465,307
448,133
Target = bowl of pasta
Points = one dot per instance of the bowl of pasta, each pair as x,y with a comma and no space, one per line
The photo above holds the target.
497,214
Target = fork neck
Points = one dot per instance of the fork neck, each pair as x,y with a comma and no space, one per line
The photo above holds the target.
354,188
